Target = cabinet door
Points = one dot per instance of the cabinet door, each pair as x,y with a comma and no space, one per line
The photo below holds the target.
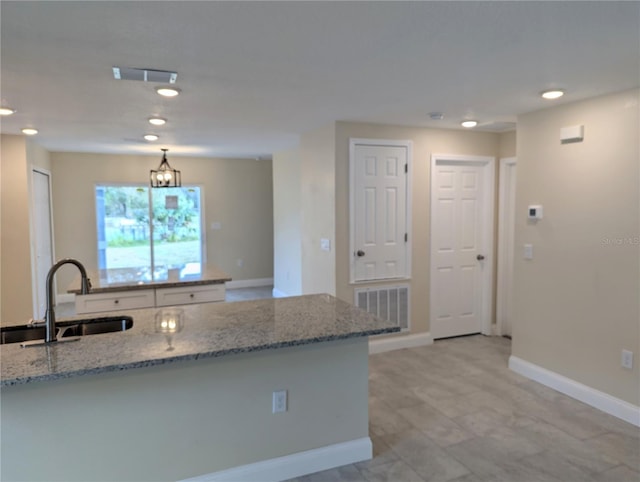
121,300
189,294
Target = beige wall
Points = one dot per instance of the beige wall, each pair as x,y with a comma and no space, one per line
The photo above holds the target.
506,145
576,302
317,151
425,143
38,156
304,212
187,418
237,192
287,244
15,254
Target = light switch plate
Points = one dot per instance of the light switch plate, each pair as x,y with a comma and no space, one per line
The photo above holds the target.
325,244
528,251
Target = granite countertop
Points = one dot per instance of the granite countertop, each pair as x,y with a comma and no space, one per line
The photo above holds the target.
139,279
201,331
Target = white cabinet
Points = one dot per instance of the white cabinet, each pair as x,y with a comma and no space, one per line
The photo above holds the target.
112,301
189,294
149,298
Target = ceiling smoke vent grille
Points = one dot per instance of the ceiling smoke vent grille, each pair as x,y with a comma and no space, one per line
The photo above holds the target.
145,75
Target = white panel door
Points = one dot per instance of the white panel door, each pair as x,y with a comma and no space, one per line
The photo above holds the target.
457,251
43,239
379,212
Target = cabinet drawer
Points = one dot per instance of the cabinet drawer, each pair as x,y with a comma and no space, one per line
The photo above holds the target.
187,295
122,300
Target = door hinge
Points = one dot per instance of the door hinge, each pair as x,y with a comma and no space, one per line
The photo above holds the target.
406,237
406,168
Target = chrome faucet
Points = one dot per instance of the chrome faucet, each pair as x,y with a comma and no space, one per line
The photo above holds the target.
50,314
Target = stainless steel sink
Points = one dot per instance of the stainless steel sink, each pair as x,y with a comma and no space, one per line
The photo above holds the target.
66,329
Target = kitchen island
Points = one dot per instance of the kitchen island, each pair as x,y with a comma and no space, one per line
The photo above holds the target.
131,288
187,392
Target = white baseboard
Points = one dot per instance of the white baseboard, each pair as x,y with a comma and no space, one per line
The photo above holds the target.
65,298
600,400
249,283
279,294
380,345
295,465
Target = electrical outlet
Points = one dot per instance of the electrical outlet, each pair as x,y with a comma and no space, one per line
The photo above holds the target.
240,262
627,359
279,401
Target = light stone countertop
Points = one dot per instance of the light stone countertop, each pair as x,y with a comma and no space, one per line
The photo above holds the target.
204,331
114,280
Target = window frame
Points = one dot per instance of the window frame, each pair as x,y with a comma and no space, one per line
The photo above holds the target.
203,231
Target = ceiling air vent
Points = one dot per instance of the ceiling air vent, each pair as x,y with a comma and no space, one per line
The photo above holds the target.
498,126
145,75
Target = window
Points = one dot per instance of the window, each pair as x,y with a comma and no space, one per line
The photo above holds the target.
143,233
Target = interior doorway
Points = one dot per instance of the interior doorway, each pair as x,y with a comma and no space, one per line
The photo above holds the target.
462,192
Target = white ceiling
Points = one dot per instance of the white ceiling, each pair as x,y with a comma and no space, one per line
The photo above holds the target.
255,75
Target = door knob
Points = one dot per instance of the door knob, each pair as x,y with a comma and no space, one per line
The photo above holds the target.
480,257
359,253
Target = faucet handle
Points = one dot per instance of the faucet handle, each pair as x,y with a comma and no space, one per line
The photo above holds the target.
33,322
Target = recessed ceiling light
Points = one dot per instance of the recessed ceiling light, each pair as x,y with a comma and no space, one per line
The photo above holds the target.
167,91
469,123
151,137
7,111
29,131
157,121
552,94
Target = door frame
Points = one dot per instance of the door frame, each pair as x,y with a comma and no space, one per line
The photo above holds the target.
505,262
33,232
488,195
353,142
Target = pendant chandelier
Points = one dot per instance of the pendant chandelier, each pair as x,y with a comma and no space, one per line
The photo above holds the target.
165,175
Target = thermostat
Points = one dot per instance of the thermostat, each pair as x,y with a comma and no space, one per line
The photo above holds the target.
534,211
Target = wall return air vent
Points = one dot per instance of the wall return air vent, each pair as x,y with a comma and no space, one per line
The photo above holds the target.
391,303
145,75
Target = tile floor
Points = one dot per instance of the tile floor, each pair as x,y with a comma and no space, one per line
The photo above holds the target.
453,411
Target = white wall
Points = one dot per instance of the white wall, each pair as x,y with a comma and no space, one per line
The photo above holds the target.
237,193
287,243
576,303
